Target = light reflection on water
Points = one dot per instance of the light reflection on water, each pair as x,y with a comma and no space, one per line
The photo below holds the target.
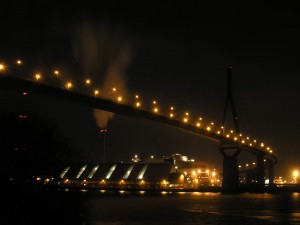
193,208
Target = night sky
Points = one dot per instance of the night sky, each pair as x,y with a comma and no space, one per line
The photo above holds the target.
175,52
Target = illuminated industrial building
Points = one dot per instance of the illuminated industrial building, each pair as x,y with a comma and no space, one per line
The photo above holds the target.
171,172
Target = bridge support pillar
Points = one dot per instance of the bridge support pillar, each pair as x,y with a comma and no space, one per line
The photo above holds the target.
271,174
260,172
230,181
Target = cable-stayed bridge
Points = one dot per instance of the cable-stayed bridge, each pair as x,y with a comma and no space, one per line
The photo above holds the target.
228,139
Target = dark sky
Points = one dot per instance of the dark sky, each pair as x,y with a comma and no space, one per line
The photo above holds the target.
176,52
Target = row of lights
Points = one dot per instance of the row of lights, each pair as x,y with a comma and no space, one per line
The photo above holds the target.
155,109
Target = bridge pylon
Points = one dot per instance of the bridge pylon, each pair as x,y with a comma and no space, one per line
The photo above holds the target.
229,151
230,181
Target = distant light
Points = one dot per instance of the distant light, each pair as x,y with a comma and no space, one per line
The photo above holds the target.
24,93
56,72
114,89
295,173
119,99
152,156
2,67
198,124
187,113
136,96
208,128
88,81
185,119
69,85
262,144
155,110
38,76
171,108
96,92
154,102
137,104
171,115
19,62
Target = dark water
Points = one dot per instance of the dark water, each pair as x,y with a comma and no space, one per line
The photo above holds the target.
194,208
115,208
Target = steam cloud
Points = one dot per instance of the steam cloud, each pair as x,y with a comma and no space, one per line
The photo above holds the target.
105,54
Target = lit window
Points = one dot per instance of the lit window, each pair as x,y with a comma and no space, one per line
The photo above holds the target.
142,172
63,173
128,172
81,171
111,170
93,172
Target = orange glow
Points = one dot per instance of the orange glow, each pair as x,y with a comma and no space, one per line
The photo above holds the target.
37,76
56,72
138,104
2,67
88,81
69,85
120,99
96,92
155,110
19,62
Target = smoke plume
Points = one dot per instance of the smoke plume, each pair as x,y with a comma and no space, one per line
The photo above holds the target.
105,54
